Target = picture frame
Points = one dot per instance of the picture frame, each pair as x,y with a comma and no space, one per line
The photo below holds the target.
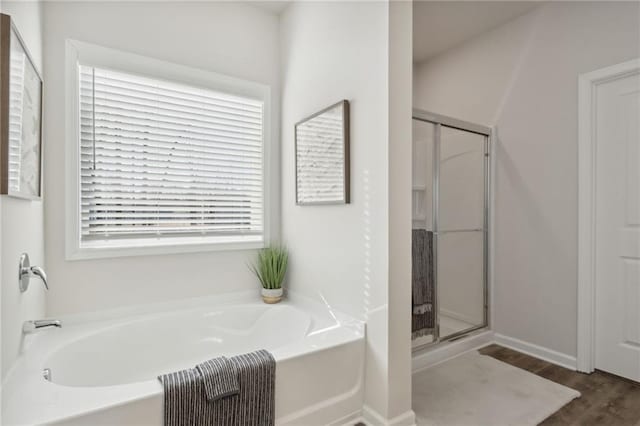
21,98
322,158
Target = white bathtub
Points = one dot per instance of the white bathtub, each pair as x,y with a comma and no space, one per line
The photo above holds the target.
104,367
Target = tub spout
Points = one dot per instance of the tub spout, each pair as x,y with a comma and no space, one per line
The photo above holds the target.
32,326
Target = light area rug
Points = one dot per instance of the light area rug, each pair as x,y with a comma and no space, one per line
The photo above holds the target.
477,390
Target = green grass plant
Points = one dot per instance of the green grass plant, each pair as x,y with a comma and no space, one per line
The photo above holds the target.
271,266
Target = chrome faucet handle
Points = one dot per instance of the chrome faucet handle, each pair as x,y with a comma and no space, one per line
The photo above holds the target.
37,271
26,271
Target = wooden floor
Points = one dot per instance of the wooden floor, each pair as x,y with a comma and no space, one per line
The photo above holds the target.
606,399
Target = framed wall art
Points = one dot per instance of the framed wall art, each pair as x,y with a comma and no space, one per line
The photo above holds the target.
322,157
20,116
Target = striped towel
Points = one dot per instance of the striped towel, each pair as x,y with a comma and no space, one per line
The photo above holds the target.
220,378
186,404
422,283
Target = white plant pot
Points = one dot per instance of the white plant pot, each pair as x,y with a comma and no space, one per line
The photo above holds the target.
271,295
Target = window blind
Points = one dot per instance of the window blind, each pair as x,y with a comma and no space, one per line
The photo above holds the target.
164,159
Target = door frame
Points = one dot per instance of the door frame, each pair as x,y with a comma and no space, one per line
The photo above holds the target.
587,163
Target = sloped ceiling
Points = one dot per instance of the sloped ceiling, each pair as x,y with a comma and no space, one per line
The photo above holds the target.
441,25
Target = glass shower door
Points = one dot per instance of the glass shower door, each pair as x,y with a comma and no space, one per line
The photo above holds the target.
424,320
461,223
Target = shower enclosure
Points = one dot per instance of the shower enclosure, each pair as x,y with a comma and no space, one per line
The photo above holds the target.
450,227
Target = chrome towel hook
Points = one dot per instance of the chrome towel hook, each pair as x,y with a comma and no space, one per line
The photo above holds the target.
26,271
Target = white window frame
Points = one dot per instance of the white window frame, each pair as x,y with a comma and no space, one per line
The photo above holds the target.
102,57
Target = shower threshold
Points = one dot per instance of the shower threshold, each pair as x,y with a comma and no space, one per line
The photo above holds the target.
427,342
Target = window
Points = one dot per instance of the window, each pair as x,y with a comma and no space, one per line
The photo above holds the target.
164,163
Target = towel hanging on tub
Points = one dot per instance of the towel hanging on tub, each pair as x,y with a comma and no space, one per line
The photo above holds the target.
219,378
187,402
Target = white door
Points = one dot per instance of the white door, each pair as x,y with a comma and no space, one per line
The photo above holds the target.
617,250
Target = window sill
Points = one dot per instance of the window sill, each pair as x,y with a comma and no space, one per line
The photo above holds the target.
160,246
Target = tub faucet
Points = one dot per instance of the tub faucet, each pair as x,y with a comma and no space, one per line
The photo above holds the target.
29,327
26,272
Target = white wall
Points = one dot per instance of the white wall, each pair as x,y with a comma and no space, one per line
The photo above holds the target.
399,205
340,254
21,225
1,284
470,81
522,77
227,38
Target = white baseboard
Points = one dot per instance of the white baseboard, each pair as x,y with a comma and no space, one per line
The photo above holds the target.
545,354
429,357
372,418
357,420
349,420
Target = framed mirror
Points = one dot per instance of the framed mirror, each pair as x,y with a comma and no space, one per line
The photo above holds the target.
322,156
20,116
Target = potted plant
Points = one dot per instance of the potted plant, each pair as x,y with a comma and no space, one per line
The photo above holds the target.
270,269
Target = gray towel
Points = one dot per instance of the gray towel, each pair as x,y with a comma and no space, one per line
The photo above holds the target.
186,404
422,283
220,378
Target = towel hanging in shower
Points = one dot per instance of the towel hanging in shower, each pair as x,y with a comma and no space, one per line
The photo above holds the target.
422,283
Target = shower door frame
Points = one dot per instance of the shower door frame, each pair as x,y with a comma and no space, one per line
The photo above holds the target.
438,121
